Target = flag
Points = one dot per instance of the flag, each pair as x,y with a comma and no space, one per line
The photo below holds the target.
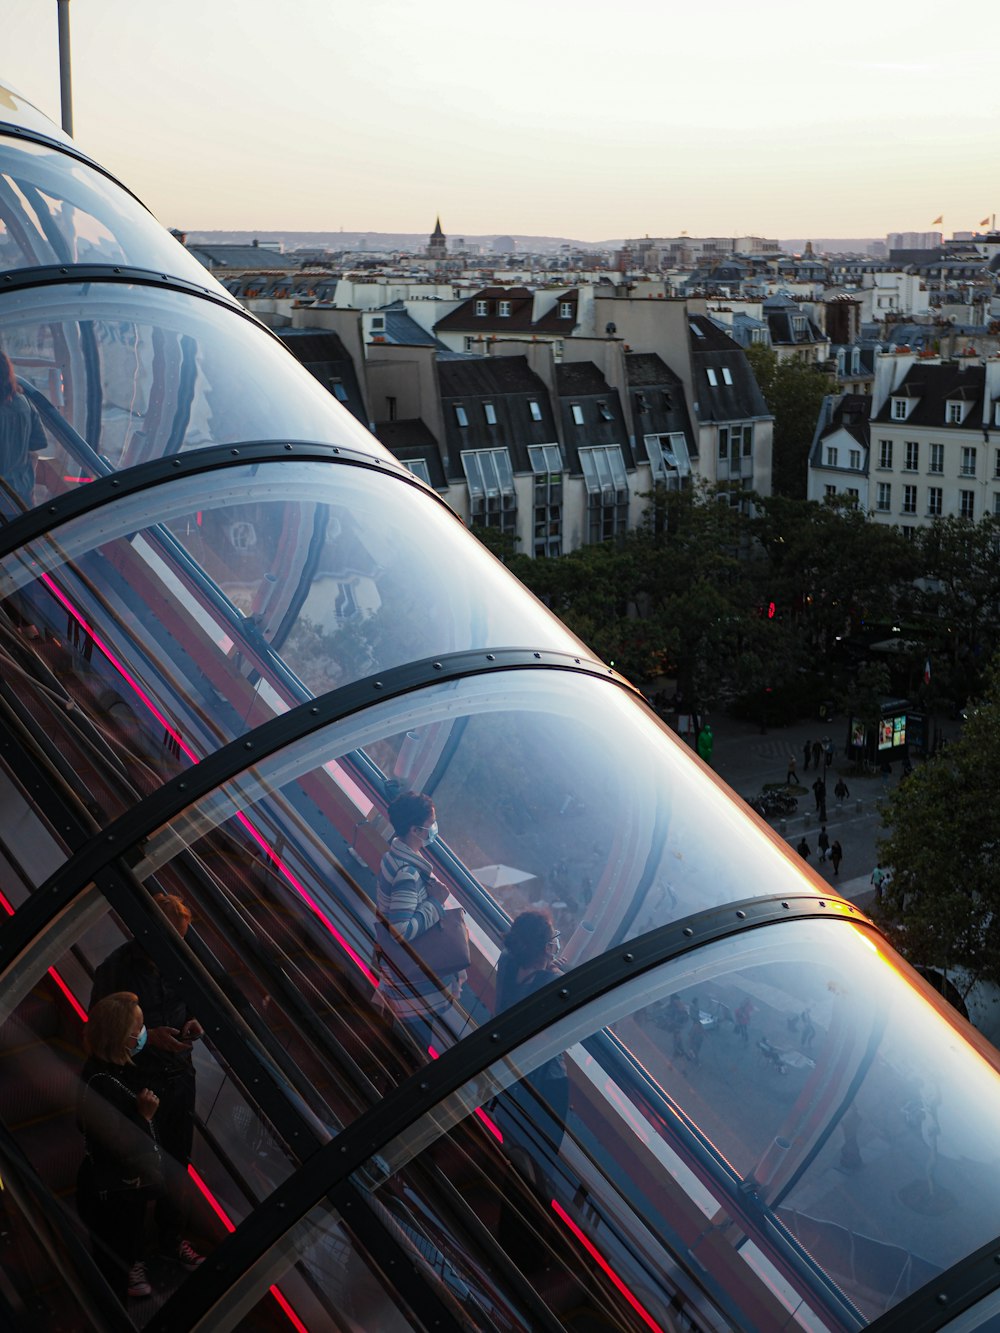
937,220
986,221
927,672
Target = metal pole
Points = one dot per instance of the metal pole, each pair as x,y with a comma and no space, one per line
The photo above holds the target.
65,80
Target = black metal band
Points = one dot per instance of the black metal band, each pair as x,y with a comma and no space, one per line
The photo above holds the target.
228,762
936,1304
329,1172
64,275
68,150
109,487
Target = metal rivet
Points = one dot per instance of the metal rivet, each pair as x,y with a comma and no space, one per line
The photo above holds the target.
785,906
491,657
688,930
182,786
941,1298
177,462
378,685
741,914
822,904
234,452
629,957
538,654
494,1036
564,993
438,666
248,745
314,711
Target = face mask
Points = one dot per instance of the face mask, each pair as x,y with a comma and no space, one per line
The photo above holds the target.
140,1041
431,832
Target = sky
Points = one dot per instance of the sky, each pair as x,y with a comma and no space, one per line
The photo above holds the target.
531,117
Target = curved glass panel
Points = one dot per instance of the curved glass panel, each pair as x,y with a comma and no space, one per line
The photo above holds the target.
17,110
133,373
302,836
57,210
74,1110
809,1166
552,789
326,570
321,1276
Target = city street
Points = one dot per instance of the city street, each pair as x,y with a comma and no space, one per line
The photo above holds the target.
747,759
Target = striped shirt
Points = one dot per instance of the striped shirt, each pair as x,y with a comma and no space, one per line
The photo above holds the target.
403,901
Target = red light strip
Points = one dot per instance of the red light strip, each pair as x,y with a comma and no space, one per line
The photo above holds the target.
600,1260
119,667
82,1013
297,884
230,1226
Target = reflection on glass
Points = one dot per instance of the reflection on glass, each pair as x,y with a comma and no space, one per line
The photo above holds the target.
134,373
317,1277
773,1123
17,110
56,210
648,842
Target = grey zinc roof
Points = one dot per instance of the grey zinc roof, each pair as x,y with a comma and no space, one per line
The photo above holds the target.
711,349
934,386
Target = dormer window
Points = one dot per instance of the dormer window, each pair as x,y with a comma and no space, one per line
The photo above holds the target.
955,413
565,309
900,409
535,409
640,402
461,416
727,375
491,414
482,307
577,411
713,379
604,412
503,309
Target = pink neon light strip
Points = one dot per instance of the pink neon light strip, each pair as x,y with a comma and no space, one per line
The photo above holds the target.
119,667
8,908
600,1260
230,1226
179,741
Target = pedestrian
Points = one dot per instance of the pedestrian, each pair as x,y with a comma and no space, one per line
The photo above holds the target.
878,875
823,843
841,791
792,775
803,848
817,751
819,791
836,856
806,751
828,750
741,1021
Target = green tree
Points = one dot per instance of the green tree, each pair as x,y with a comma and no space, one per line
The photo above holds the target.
943,908
831,567
794,391
960,599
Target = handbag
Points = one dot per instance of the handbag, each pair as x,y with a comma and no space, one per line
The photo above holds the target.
439,952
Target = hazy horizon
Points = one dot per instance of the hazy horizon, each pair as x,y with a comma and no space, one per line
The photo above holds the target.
575,120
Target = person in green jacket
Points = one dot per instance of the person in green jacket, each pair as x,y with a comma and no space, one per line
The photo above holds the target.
705,743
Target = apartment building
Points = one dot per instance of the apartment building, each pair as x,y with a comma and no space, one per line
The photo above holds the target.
933,442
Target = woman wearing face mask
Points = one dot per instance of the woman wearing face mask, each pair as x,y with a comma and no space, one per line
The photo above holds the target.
121,1169
526,964
411,900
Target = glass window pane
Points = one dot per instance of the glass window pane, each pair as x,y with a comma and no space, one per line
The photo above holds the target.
774,1123
56,210
136,373
329,570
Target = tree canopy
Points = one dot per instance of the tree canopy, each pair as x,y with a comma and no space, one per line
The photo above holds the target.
943,908
794,391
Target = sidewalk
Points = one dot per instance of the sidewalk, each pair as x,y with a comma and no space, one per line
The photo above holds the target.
747,758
